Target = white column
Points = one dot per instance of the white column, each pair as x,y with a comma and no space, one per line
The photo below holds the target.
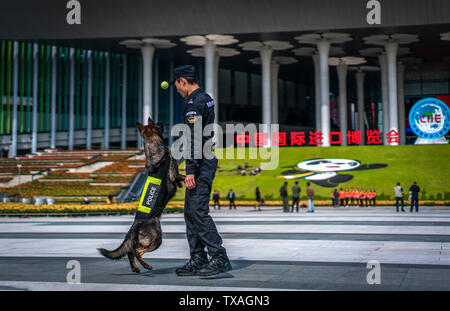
35,97
13,150
140,143
216,82
384,95
324,49
266,60
401,102
53,97
72,98
210,52
89,102
342,76
360,95
123,141
391,51
274,76
216,96
317,91
147,64
107,100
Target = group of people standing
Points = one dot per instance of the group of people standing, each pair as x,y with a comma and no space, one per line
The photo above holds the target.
296,197
231,198
348,198
354,197
413,196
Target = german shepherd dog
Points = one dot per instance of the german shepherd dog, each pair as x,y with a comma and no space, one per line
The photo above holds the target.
145,235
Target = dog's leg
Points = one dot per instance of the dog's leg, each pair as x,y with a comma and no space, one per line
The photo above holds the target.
139,254
179,180
133,265
174,175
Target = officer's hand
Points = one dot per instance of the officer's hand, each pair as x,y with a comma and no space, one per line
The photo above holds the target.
190,181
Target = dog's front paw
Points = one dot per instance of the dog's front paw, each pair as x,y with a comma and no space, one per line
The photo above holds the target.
179,180
137,270
148,267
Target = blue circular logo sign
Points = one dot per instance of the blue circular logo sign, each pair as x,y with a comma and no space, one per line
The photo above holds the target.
430,118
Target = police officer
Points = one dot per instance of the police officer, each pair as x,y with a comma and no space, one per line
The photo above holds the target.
201,230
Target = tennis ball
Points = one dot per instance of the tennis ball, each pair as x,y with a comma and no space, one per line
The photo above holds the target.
164,85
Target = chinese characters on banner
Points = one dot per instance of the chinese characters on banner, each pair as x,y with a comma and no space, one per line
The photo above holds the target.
315,138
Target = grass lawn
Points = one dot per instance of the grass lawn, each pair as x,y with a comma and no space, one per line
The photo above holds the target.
428,165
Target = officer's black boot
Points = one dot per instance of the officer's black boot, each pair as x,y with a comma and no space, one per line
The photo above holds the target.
219,263
194,264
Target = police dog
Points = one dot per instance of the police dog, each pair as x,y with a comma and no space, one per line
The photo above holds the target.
145,235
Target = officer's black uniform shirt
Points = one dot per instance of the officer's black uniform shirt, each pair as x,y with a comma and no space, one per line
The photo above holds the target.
198,104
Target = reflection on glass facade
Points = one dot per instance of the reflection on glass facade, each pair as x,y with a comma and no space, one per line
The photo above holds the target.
25,88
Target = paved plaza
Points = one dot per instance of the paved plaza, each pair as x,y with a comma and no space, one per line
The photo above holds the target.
269,250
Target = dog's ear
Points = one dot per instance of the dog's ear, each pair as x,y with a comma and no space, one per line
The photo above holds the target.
160,127
150,121
141,128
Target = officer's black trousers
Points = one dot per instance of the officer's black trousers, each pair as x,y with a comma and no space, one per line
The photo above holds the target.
201,230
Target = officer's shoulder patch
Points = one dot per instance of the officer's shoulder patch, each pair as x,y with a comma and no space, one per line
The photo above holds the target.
210,103
191,116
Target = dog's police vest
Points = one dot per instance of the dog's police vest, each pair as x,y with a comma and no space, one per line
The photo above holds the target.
154,196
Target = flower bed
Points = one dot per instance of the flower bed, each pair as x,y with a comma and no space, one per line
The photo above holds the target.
79,200
115,157
65,175
118,168
5,179
23,171
51,188
72,165
22,208
26,164
113,179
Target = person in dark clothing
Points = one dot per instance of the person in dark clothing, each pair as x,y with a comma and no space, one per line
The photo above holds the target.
201,231
414,189
284,196
335,195
310,197
295,196
258,199
216,199
231,198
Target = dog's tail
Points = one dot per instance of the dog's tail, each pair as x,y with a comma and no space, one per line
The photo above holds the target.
127,245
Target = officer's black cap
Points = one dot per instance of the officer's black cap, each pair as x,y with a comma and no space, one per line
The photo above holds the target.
186,71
